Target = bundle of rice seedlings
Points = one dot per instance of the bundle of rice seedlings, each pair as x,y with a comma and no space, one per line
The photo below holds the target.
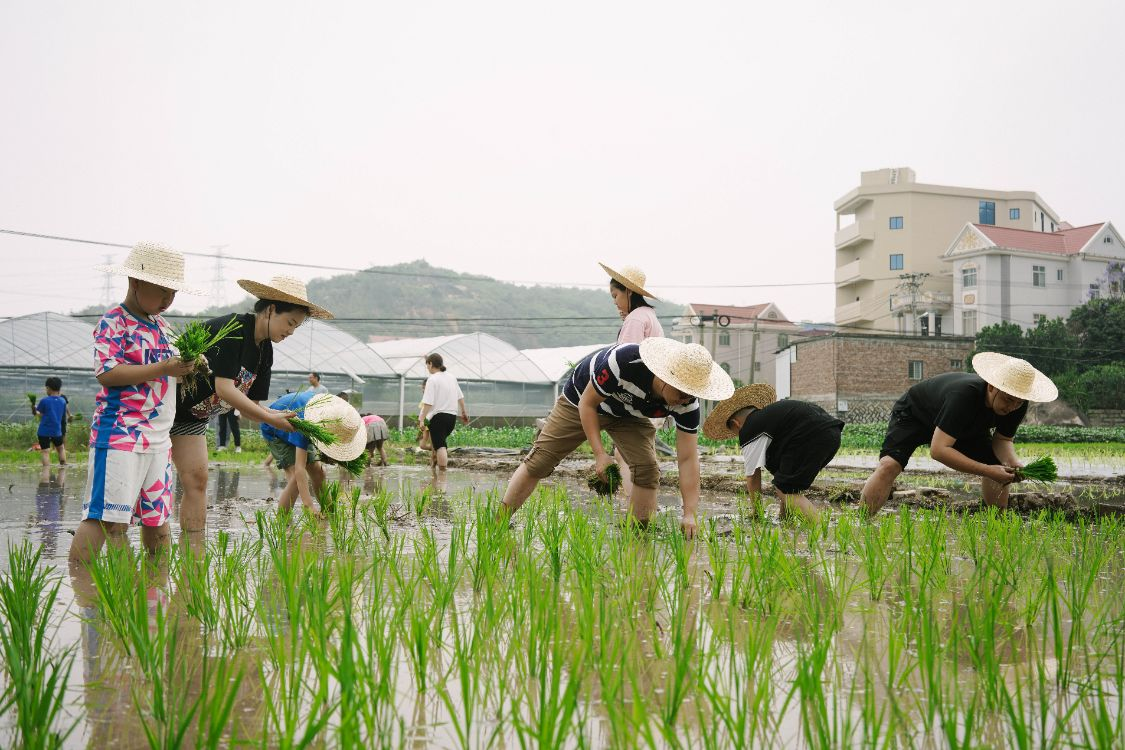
356,466
605,487
315,430
31,398
77,416
1041,470
195,339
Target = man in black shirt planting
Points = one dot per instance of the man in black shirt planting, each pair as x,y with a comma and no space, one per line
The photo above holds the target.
794,440
968,420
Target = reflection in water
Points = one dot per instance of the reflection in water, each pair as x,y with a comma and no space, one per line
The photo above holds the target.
226,484
49,502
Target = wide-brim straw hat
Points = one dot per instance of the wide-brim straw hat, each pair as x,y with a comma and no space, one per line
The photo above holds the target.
687,368
630,277
155,264
341,419
285,289
758,395
1014,376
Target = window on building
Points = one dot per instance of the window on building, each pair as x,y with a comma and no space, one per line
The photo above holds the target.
1038,319
914,369
956,364
896,222
1039,276
987,212
725,366
1059,275
757,366
1013,214
969,276
1095,291
896,261
1115,288
782,340
1108,239
968,322
687,339
724,339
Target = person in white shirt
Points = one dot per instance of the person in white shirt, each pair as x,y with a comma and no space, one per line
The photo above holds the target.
441,402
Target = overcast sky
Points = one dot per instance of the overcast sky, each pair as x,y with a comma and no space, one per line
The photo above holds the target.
704,141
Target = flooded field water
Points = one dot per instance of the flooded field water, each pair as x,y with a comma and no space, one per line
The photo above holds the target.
412,618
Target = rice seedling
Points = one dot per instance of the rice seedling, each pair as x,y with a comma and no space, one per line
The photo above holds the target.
1042,470
316,430
31,397
37,678
193,341
605,486
718,554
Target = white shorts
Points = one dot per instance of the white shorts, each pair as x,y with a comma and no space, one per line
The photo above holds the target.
127,487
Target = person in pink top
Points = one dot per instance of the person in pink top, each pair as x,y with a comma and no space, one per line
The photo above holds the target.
130,468
376,435
638,322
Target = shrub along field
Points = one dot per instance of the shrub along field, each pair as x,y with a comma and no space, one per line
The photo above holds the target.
417,620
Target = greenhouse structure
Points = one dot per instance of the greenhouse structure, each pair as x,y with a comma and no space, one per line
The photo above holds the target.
502,384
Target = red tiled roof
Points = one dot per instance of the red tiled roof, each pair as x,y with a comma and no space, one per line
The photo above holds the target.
736,314
1062,242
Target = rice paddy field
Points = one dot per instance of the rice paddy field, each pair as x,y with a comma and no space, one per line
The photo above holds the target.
412,617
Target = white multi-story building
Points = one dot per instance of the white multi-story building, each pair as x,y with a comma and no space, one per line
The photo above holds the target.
891,232
1015,275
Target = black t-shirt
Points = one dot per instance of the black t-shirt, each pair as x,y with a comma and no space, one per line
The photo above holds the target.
240,359
955,402
782,426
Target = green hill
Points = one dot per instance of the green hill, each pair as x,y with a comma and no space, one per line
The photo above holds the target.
417,300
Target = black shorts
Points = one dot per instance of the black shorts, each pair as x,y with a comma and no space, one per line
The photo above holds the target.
797,469
45,441
441,427
905,434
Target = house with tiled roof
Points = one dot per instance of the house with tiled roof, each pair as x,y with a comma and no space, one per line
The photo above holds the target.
743,339
1003,274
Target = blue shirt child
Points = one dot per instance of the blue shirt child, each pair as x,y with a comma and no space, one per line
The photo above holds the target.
52,410
289,402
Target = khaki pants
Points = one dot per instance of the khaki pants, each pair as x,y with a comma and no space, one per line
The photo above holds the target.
562,433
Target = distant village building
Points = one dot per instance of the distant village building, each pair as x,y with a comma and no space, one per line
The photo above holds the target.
891,233
859,376
1002,274
743,340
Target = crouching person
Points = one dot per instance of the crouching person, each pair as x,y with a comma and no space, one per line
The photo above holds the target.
130,469
793,440
298,456
968,420
619,389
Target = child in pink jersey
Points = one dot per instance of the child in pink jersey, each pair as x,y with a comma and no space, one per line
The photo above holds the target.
130,477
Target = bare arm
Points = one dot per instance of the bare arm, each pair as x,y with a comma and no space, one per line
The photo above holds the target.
225,389
1005,450
464,414
687,462
941,449
123,375
422,415
591,427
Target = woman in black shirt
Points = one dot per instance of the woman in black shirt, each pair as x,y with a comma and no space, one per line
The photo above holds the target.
240,378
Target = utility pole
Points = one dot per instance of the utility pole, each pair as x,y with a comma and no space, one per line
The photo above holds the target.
107,284
218,280
753,352
910,283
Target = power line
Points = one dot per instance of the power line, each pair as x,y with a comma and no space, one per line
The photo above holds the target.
458,277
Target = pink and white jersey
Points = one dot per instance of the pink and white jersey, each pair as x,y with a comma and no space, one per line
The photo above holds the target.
133,418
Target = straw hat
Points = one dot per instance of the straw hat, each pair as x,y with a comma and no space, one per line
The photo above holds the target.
285,289
155,264
341,419
758,395
1015,377
687,368
630,277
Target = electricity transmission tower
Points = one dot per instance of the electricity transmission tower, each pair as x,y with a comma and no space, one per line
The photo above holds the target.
218,279
107,284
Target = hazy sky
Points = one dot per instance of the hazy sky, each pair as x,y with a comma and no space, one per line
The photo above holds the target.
704,141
